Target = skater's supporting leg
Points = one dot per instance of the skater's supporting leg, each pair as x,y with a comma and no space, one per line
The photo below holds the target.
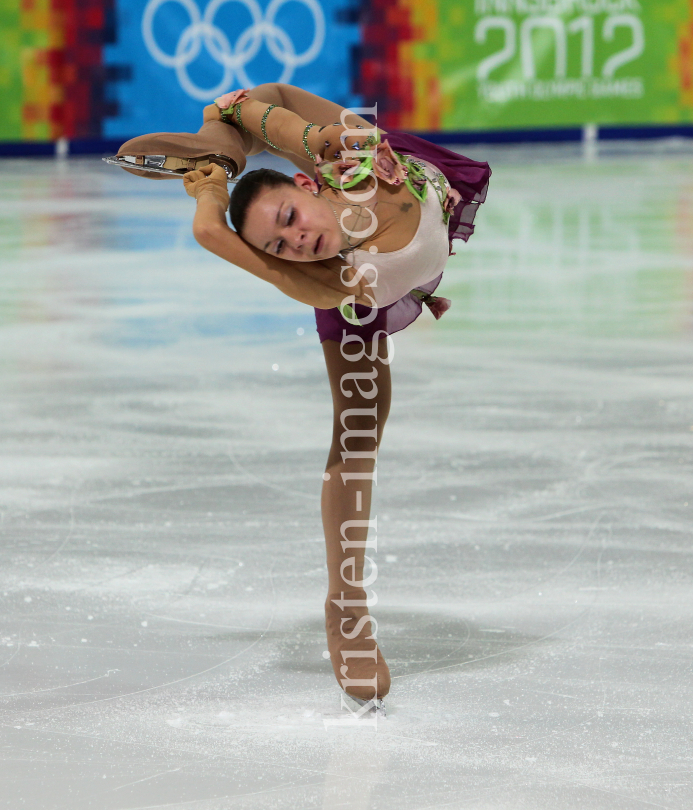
351,500
361,392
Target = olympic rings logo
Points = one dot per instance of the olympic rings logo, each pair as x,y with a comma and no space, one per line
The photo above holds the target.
234,59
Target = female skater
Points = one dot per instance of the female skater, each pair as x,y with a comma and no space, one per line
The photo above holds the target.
362,233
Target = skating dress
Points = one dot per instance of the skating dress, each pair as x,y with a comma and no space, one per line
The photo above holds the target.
419,265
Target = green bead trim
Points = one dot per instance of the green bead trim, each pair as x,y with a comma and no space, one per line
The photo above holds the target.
305,141
417,172
263,127
227,114
238,118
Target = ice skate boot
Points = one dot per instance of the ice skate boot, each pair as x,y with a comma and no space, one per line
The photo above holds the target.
358,665
172,154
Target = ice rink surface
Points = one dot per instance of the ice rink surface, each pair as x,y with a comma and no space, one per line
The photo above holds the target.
165,420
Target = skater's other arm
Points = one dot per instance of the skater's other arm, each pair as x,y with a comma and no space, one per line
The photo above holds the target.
285,129
318,284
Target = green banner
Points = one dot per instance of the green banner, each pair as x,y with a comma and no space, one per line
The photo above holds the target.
509,64
10,71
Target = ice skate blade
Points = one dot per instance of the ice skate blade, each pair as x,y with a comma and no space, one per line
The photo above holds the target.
154,164
376,706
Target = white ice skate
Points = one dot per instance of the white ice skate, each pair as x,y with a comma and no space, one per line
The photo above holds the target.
167,166
375,706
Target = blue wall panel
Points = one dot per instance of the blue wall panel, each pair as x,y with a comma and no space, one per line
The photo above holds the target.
171,57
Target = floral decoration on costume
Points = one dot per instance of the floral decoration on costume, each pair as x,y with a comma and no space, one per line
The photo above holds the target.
388,165
436,303
230,104
231,99
341,173
393,168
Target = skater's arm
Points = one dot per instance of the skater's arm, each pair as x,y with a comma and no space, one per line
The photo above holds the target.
285,129
318,284
251,144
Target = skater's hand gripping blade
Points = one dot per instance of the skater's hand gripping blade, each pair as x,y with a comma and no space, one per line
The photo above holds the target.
209,179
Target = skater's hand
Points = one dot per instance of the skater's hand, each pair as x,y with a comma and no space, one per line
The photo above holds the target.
207,180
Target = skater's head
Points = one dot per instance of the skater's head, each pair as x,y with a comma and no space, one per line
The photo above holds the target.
285,216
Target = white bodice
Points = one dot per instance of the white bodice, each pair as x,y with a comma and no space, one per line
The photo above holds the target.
422,260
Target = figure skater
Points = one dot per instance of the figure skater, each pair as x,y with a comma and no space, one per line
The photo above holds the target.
362,233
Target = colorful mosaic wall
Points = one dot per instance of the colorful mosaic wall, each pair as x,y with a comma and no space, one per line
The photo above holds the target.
513,64
682,64
90,69
52,74
396,64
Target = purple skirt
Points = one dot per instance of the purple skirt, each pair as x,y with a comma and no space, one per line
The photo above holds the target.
468,177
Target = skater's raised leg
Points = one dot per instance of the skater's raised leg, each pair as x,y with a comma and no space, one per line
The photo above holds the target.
227,144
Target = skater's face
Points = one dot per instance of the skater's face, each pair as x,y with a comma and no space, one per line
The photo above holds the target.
293,222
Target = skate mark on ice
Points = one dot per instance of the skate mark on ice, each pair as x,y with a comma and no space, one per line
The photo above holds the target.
258,480
64,686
